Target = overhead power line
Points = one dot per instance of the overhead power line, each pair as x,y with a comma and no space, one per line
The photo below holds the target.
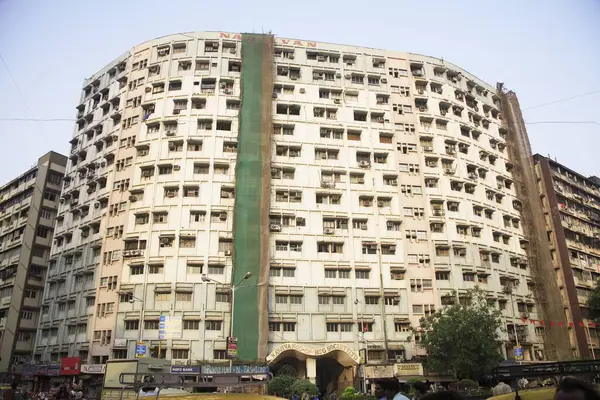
561,100
39,119
16,86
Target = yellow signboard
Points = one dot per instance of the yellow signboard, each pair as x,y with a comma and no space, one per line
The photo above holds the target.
411,369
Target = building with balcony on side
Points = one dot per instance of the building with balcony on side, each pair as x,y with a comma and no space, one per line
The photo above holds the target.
356,188
28,206
571,205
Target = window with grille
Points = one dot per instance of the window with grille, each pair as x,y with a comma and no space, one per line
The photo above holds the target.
191,325
180,354
213,325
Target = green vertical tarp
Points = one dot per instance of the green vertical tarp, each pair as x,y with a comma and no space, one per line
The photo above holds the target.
250,201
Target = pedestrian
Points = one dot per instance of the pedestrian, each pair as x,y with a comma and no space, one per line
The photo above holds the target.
305,395
420,389
380,391
295,396
392,390
333,395
574,389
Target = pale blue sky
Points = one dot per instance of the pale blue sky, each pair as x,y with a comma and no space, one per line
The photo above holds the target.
544,50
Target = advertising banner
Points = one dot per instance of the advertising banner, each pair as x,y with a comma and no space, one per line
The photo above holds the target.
70,365
170,327
231,347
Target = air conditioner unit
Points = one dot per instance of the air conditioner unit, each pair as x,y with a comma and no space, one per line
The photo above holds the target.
364,164
380,204
176,167
62,200
302,90
348,76
275,227
170,133
223,216
133,199
420,91
97,204
290,56
170,194
383,80
274,95
115,138
232,50
337,101
148,89
215,45
227,253
328,231
103,164
176,111
394,183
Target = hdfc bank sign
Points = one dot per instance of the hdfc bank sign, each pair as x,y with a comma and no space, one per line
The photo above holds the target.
70,365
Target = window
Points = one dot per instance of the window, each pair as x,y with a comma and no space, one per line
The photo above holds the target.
132,325
289,326
136,269
213,325
151,324
222,297
362,274
372,300
183,296
180,354
442,275
162,296
187,241
402,326
191,325
194,268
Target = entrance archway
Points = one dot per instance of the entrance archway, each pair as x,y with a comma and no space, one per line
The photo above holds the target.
330,367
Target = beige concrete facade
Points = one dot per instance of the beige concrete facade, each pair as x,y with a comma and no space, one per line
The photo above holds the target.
390,181
28,206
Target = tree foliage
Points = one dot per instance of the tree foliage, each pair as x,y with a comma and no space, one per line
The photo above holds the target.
301,385
281,386
462,338
594,301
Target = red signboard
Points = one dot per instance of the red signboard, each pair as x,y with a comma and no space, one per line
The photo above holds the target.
70,365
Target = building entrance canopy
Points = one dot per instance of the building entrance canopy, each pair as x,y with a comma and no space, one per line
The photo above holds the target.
341,353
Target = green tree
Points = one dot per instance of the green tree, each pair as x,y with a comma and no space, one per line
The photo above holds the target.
301,385
462,338
281,385
594,301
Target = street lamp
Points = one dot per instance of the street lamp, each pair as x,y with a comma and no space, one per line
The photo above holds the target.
132,300
232,289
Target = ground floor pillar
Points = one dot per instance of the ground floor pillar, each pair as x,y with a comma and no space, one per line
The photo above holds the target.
311,370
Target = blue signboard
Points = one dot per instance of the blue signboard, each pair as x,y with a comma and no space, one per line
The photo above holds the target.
518,352
236,369
140,349
179,369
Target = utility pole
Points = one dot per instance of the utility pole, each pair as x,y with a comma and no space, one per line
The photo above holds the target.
132,300
232,288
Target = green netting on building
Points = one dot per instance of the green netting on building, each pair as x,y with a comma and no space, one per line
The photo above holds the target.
250,184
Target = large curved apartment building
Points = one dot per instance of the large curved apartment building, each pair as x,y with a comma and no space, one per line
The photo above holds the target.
358,186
